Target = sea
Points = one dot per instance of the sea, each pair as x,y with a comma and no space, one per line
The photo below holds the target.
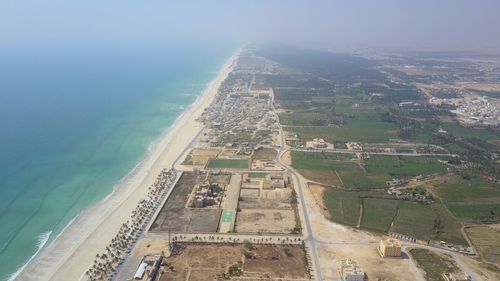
74,120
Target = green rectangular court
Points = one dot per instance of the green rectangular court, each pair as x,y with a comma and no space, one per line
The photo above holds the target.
227,216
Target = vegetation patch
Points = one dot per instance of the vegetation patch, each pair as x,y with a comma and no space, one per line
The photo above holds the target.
227,164
433,264
378,213
428,222
463,132
264,154
405,165
486,240
257,175
343,206
469,190
484,213
337,169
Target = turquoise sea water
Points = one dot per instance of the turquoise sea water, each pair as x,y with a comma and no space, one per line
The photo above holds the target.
74,121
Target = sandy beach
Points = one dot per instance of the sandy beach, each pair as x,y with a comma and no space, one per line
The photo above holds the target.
74,250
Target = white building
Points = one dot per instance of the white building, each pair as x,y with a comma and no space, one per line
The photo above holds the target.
349,271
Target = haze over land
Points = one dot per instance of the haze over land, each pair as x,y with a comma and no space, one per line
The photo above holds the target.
425,24
250,140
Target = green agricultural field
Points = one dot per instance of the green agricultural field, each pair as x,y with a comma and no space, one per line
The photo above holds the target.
378,213
487,241
460,191
343,206
457,149
433,264
227,164
320,160
335,168
471,199
257,175
427,222
405,165
483,212
303,119
462,132
363,127
361,180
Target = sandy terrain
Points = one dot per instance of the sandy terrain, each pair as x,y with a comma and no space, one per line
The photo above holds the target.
317,192
195,262
200,156
148,246
69,255
368,259
265,221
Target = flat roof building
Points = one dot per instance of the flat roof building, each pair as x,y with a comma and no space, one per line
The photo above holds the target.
389,248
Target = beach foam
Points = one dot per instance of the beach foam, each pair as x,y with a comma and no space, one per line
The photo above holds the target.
68,256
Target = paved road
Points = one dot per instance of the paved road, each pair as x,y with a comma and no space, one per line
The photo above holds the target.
309,236
374,153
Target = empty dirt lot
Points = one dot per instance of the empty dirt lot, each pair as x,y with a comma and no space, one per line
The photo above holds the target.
259,215
200,262
265,221
200,156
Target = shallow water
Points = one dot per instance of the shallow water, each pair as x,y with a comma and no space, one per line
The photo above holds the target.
74,121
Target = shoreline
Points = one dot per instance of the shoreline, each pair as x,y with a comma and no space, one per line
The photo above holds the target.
73,250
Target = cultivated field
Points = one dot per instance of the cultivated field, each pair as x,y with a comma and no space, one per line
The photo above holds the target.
378,213
427,222
343,206
434,264
471,199
346,170
486,240
363,126
405,165
227,164
200,156
336,169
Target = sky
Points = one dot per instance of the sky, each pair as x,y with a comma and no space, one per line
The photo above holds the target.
425,24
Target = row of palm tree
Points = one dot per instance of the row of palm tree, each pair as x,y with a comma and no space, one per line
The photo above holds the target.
197,238
106,263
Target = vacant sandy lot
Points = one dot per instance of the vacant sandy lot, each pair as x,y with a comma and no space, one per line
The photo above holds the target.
200,156
148,246
318,192
201,262
265,221
367,258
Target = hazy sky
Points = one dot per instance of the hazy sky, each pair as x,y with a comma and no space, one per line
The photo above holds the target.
430,24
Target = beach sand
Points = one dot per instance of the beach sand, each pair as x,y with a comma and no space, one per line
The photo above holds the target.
74,250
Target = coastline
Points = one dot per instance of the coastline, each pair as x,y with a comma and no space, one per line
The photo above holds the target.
74,249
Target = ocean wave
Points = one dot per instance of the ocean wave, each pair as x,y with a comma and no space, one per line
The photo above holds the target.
41,241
